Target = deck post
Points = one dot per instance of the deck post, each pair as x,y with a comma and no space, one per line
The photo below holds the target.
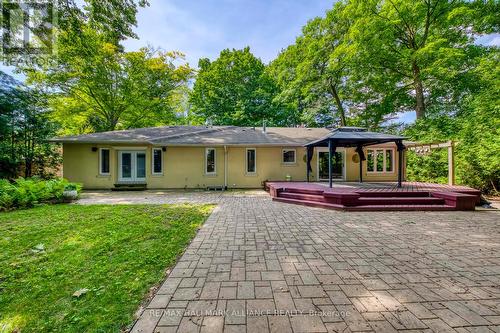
330,165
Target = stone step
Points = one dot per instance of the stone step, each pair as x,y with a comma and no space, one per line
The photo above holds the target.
129,187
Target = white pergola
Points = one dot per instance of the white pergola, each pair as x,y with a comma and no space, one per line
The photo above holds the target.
422,149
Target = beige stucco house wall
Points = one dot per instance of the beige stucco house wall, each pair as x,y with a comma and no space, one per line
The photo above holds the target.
184,166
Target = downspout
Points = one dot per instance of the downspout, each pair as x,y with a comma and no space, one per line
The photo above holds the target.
225,167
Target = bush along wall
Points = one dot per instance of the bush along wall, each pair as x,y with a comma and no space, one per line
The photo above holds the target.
27,193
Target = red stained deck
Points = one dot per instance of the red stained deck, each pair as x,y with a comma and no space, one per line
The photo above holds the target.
387,196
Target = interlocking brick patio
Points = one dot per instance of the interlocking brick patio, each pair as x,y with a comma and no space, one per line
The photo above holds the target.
263,266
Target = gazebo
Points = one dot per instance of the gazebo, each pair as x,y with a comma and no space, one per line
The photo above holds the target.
354,137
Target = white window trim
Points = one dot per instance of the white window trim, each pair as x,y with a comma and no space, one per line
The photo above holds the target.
100,162
294,156
246,161
133,164
384,170
215,161
153,161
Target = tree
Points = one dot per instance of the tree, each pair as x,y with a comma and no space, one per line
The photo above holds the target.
420,44
235,90
312,72
114,19
478,151
24,131
93,84
322,77
97,87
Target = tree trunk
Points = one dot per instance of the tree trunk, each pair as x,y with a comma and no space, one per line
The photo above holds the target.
419,91
335,94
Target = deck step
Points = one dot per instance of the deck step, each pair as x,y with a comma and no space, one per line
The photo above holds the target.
380,194
308,203
382,208
304,190
367,208
364,201
302,196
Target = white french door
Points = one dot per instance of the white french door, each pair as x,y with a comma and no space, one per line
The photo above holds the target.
132,166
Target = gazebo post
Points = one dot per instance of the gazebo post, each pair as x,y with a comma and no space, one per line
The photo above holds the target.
360,170
361,154
401,148
309,156
330,153
307,173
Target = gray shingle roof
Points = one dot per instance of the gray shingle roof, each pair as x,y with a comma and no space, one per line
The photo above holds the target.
203,135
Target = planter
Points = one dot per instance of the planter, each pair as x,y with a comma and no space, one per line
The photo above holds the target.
70,195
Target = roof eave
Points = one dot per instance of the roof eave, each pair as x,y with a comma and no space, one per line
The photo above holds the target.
99,141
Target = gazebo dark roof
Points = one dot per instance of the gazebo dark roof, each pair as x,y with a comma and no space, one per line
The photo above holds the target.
353,137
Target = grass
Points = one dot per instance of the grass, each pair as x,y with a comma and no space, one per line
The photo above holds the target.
116,252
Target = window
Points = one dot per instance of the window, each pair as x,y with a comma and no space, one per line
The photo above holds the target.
389,160
104,161
157,161
380,160
210,161
289,156
251,160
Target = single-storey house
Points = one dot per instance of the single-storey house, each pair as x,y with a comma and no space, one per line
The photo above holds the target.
228,156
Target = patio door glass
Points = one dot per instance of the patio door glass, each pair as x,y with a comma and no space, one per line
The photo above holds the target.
132,166
126,166
141,166
337,164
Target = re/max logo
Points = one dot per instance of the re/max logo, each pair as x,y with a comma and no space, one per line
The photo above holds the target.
28,27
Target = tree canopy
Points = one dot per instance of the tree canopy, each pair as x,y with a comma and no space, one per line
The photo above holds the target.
235,90
95,85
25,127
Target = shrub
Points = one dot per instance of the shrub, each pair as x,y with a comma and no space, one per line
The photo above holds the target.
25,193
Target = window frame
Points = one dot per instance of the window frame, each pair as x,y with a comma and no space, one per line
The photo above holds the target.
206,161
153,162
101,161
246,161
384,166
294,156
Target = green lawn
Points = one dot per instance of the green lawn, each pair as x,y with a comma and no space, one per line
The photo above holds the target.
116,252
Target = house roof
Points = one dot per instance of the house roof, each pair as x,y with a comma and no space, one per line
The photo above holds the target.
353,136
203,135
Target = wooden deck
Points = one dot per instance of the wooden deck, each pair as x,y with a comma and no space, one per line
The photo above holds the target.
352,196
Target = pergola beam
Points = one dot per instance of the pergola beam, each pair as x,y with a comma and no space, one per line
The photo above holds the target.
450,145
